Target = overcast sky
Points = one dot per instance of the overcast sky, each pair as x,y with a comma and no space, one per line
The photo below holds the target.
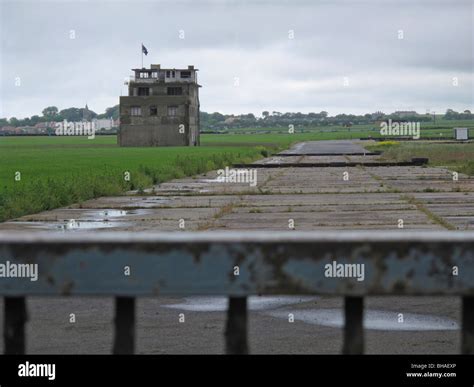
337,56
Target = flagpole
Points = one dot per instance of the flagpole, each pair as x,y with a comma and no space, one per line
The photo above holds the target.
141,49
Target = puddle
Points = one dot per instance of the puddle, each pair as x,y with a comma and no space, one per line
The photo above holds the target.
70,225
373,319
219,304
221,179
106,214
112,213
153,202
273,160
73,224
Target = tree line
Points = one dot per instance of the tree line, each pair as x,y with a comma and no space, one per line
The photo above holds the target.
218,121
53,114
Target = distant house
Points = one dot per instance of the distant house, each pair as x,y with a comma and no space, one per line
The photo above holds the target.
231,120
45,125
29,130
377,115
405,113
103,123
7,129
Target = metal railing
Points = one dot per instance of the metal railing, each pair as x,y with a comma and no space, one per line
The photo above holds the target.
183,263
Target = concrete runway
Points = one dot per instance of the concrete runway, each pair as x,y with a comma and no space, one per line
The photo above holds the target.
328,147
373,198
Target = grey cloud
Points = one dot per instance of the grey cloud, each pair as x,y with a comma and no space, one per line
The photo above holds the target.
249,40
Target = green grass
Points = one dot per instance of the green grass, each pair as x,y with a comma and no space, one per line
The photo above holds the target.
57,171
285,139
457,157
431,129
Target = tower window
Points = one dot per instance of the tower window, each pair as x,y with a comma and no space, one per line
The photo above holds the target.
185,74
175,90
143,91
172,111
153,110
135,111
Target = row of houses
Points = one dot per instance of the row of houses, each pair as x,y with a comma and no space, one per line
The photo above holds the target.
42,128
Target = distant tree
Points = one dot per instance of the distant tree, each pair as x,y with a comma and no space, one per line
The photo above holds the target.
13,121
265,114
451,115
34,120
75,114
50,111
217,117
71,114
87,114
111,112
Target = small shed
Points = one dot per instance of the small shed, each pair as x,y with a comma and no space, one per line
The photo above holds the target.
461,133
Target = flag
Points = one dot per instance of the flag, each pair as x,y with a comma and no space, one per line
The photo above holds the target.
144,50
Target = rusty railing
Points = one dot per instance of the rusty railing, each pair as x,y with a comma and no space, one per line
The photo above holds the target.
80,264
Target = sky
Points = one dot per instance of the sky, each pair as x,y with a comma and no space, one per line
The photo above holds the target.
340,56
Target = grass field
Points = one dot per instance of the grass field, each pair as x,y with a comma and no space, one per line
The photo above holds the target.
431,129
457,157
57,171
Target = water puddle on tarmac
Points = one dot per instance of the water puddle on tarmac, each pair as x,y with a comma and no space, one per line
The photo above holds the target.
73,224
219,304
373,319
152,201
273,160
89,220
109,214
97,219
112,213
70,225
221,179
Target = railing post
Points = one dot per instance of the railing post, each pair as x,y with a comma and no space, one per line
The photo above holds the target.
124,338
15,317
467,336
353,326
236,327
